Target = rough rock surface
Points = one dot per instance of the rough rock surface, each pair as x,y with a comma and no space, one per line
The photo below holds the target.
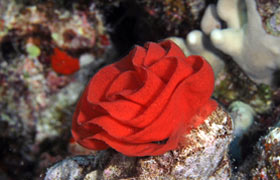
71,167
202,155
36,102
269,158
265,162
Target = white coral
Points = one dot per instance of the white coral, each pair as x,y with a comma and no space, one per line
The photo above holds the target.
255,51
244,39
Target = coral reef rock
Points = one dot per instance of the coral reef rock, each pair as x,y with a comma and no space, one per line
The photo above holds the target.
79,167
202,155
270,14
265,162
73,30
71,168
36,102
269,159
176,17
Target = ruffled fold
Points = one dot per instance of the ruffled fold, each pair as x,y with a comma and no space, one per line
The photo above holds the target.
153,94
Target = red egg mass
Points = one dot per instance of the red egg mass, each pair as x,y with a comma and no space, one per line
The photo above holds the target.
63,63
144,104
